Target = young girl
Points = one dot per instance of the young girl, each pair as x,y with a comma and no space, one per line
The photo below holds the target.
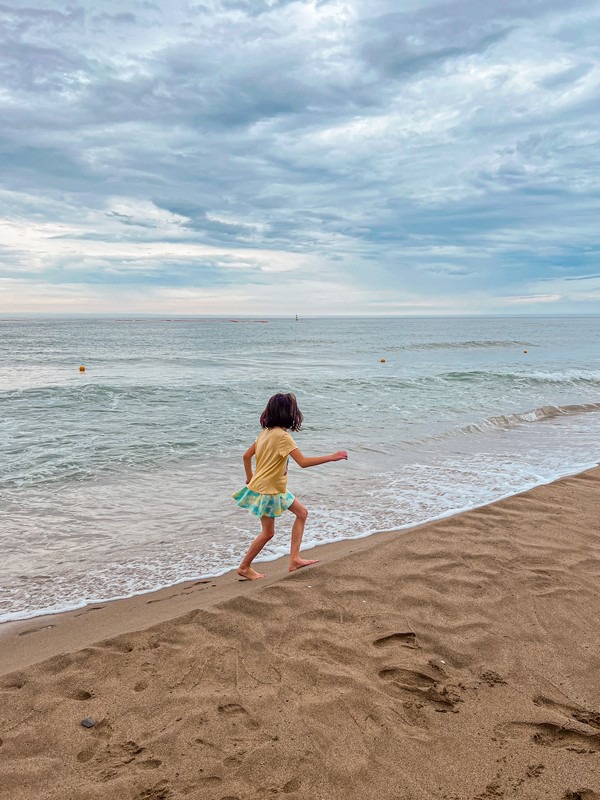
265,494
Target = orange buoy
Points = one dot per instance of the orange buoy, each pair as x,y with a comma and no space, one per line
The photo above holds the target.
82,368
383,360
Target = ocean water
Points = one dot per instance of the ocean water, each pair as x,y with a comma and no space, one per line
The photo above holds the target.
118,480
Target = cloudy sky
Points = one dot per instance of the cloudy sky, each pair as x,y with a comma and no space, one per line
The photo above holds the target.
300,156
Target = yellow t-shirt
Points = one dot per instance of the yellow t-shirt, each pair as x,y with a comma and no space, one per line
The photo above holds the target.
273,447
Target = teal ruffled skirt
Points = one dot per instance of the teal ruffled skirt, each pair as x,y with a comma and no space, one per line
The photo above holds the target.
263,505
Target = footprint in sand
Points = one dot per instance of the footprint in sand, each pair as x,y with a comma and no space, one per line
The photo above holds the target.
121,754
162,599
236,711
160,791
115,646
407,678
210,780
443,698
127,750
80,694
86,754
581,794
549,734
209,745
36,630
591,718
87,611
107,775
104,729
150,763
492,678
405,639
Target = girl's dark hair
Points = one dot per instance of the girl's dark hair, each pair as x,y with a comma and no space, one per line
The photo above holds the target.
282,412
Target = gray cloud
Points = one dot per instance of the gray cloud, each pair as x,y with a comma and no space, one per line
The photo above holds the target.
349,133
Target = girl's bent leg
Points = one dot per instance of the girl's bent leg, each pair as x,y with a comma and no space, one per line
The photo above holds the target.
245,568
297,530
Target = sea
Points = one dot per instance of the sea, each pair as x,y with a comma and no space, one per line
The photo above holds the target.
117,480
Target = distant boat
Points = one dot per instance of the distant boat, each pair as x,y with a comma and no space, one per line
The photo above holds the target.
297,320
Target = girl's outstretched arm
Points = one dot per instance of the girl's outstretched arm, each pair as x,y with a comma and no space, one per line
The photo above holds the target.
308,461
247,457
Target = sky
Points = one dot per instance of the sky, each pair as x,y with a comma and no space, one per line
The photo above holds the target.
302,157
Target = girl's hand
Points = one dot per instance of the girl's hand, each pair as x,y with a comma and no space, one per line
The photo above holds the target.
341,455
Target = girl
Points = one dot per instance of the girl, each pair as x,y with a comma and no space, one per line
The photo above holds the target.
265,494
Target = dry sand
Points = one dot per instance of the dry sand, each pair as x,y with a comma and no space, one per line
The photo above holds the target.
458,660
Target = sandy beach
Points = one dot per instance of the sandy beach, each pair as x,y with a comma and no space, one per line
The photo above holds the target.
458,660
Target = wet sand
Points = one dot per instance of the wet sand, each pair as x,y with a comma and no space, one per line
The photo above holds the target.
460,659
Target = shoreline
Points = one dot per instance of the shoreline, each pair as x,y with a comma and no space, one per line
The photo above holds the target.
457,661
7,626
51,633
28,641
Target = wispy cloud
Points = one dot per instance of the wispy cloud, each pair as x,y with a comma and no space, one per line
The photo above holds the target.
272,156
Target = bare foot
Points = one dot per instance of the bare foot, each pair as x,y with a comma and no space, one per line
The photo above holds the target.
302,562
249,574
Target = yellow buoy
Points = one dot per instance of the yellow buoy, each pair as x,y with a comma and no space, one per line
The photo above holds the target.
383,360
82,368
